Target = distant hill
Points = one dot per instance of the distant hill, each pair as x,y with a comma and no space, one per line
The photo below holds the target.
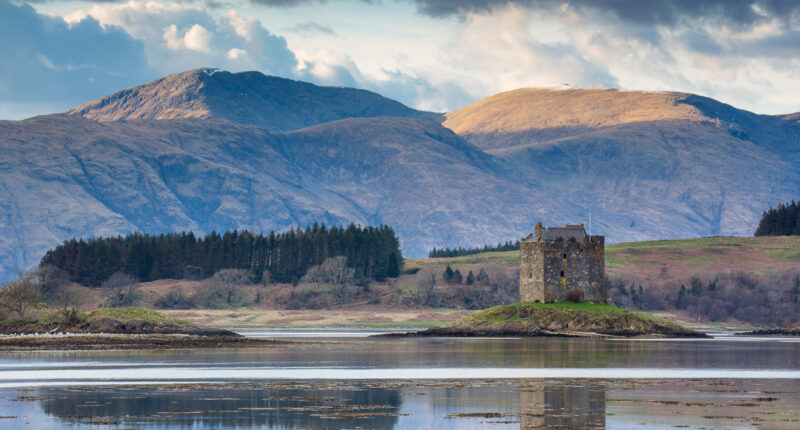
270,102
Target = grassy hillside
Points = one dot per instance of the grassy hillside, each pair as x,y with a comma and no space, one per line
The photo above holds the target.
662,261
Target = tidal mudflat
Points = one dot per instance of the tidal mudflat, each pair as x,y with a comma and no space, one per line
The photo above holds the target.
343,382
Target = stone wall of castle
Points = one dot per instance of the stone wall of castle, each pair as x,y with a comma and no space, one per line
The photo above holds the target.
550,269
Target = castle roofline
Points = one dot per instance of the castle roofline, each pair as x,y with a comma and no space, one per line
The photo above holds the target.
576,232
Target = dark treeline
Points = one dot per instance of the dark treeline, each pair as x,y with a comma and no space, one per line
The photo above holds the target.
781,221
457,252
374,252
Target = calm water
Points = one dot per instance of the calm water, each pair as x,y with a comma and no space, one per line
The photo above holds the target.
352,382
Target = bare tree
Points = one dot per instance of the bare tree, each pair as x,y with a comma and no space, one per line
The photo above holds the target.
426,288
266,278
68,298
124,292
335,272
21,294
224,288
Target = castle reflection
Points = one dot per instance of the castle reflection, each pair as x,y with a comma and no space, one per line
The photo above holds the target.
564,406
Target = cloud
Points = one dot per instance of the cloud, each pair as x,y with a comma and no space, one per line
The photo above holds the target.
745,56
196,38
310,27
174,37
508,51
284,3
419,89
178,37
46,62
662,12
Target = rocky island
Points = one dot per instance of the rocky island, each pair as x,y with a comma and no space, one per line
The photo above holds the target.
563,319
116,328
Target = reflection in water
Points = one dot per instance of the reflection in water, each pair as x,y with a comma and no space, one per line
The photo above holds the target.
198,407
563,406
442,405
553,400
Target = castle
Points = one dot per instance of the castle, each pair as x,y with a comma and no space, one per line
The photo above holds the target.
557,260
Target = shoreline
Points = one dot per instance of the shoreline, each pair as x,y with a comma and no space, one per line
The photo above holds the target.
461,332
117,341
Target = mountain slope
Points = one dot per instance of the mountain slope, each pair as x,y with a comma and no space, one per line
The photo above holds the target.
63,176
645,165
422,179
273,103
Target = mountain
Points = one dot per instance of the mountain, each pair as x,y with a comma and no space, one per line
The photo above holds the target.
273,103
644,164
65,176
210,150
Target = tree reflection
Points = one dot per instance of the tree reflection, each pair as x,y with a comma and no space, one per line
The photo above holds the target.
228,408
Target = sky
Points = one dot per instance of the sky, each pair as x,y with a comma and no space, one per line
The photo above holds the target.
435,55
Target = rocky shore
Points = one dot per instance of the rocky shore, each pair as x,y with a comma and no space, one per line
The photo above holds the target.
88,342
125,328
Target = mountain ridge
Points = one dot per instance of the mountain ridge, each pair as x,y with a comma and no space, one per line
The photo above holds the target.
270,102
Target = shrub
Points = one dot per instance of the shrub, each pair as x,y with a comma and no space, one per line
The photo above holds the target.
123,297
574,295
335,272
118,279
224,289
174,299
769,300
306,299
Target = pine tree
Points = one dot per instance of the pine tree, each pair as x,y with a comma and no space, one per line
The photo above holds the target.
393,266
783,220
448,274
470,278
457,277
483,277
680,303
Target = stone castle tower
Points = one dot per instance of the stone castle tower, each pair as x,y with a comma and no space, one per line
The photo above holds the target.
557,260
